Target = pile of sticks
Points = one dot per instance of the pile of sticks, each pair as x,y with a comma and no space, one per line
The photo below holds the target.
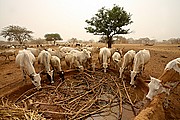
11,111
80,96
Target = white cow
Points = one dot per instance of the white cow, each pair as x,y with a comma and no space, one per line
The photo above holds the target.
44,58
140,59
72,62
82,56
34,51
56,65
171,76
92,49
8,53
25,60
58,53
127,61
65,49
104,56
116,59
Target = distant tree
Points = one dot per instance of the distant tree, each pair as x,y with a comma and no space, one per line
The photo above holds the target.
174,40
109,22
145,40
73,40
37,41
120,39
91,41
16,33
52,37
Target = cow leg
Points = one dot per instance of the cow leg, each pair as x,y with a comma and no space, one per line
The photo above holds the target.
24,76
9,58
5,58
142,69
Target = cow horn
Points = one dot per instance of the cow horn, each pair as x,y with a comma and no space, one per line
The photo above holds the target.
40,72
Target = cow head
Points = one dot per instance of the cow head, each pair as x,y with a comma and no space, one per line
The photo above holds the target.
88,53
36,80
50,75
154,87
133,74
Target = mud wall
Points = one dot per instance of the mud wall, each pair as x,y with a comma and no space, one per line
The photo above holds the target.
154,111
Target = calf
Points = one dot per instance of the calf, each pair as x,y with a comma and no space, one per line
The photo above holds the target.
168,80
25,60
140,60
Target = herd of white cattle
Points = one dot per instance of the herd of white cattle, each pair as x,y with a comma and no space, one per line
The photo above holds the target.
80,58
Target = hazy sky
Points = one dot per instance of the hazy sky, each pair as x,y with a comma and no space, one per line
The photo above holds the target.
156,19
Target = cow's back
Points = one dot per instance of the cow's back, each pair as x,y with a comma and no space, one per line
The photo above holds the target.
105,51
142,57
146,56
44,57
25,58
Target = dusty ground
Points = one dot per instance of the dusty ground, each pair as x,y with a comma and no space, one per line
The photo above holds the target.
11,76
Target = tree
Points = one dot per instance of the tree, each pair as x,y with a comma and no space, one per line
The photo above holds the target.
52,37
109,22
16,33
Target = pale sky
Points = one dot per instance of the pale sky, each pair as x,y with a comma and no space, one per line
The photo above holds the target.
156,19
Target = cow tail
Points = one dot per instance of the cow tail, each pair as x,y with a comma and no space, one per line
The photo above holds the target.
46,62
104,58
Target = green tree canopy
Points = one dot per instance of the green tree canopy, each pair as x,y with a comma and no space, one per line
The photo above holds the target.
109,22
16,33
52,37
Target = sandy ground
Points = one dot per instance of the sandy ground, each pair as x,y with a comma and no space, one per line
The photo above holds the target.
160,56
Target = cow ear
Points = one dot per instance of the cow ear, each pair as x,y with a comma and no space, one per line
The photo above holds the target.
151,77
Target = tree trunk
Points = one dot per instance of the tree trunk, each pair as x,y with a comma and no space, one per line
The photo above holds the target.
109,41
